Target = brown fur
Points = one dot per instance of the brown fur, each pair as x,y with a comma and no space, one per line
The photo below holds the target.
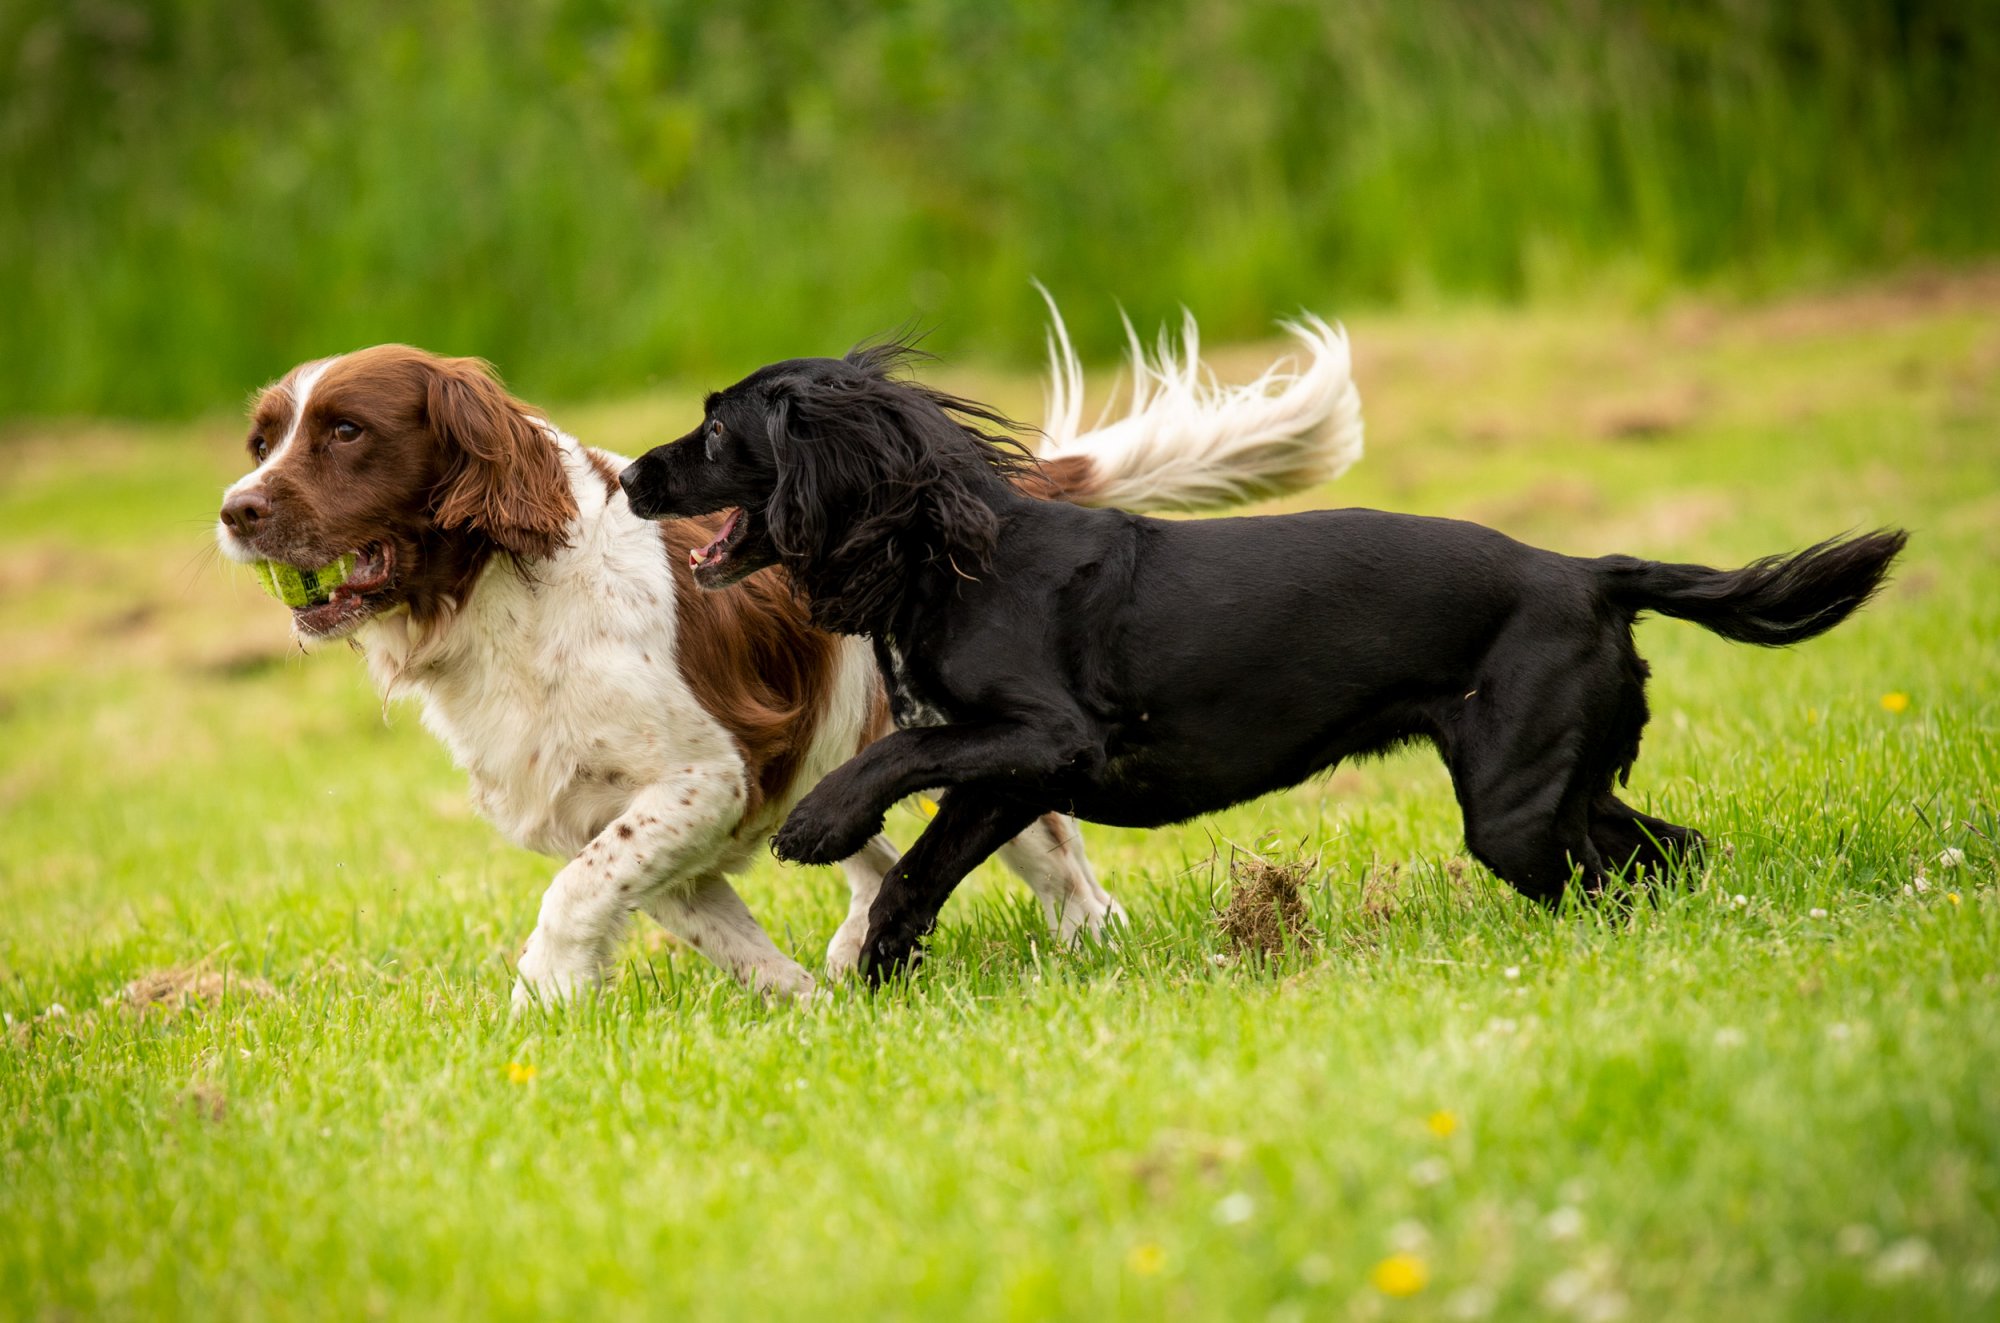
753,660
447,469
1071,478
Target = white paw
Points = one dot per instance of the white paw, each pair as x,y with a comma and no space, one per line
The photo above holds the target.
786,982
1095,913
843,953
550,975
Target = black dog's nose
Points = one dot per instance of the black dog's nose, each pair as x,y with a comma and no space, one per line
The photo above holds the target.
626,476
242,512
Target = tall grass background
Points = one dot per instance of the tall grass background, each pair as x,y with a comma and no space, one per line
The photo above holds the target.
195,194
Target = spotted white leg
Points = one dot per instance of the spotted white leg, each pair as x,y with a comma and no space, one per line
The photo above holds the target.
709,916
671,832
1049,857
864,878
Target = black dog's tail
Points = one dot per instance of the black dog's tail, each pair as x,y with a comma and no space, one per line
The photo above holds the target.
1776,601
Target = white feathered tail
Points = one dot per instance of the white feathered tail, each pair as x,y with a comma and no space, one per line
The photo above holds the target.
1188,442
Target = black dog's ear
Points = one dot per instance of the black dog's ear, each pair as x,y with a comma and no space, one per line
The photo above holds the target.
877,479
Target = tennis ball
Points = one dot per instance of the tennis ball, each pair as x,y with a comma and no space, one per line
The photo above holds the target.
296,587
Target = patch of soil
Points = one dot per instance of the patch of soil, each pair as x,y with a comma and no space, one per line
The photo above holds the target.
168,992
1266,912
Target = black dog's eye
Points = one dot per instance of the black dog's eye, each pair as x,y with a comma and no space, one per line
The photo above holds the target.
343,430
714,438
259,448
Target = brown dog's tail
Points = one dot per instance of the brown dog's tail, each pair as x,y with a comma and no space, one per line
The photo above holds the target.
1773,602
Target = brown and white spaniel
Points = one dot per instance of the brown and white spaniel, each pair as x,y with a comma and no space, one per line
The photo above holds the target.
612,715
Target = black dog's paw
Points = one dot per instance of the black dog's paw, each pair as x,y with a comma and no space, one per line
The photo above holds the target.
812,836
886,957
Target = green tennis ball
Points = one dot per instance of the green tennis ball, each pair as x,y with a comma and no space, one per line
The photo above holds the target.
296,587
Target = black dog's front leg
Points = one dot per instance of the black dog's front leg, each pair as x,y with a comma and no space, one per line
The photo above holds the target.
972,822
845,809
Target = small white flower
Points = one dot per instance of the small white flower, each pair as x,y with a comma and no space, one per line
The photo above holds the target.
1907,1258
1235,1209
1951,858
1602,1307
1429,1172
1512,971
1816,912
1566,1290
1921,883
1741,900
1856,1239
1729,1036
1469,1303
1408,1236
1564,1223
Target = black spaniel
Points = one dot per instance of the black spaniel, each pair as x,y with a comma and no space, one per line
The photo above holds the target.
1139,672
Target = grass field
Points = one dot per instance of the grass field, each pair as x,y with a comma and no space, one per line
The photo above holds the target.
1776,1095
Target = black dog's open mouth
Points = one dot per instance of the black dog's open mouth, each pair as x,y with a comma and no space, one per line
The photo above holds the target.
348,606
730,554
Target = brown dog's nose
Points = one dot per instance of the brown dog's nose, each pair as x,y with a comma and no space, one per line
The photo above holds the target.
242,512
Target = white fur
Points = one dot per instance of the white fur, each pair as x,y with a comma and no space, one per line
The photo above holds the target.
301,392
1187,442
559,695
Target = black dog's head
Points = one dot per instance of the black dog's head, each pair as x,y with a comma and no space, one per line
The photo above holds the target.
852,479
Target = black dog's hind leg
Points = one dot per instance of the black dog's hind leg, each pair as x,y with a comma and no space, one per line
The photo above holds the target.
971,824
1528,754
1628,839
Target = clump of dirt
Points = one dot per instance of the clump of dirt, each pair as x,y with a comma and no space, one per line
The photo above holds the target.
206,1100
1266,911
168,992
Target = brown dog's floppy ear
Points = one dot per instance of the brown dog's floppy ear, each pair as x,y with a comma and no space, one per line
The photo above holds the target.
502,473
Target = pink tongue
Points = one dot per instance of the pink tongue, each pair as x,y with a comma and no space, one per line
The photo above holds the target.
699,556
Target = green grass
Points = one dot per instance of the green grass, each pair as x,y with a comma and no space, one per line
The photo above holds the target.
1700,1107
594,192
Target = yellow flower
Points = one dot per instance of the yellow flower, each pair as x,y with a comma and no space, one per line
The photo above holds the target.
927,806
1443,1124
518,1073
1952,896
1399,1275
1895,701
1146,1259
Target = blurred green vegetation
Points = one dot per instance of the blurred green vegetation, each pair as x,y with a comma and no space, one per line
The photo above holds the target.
195,194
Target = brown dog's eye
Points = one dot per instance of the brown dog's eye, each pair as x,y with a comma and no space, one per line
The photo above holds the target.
344,430
259,448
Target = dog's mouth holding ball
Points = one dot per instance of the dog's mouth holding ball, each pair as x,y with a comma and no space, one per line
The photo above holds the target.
329,600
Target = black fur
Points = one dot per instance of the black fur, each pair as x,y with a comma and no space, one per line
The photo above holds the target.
1139,672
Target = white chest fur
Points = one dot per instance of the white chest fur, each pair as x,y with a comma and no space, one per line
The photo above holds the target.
558,692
